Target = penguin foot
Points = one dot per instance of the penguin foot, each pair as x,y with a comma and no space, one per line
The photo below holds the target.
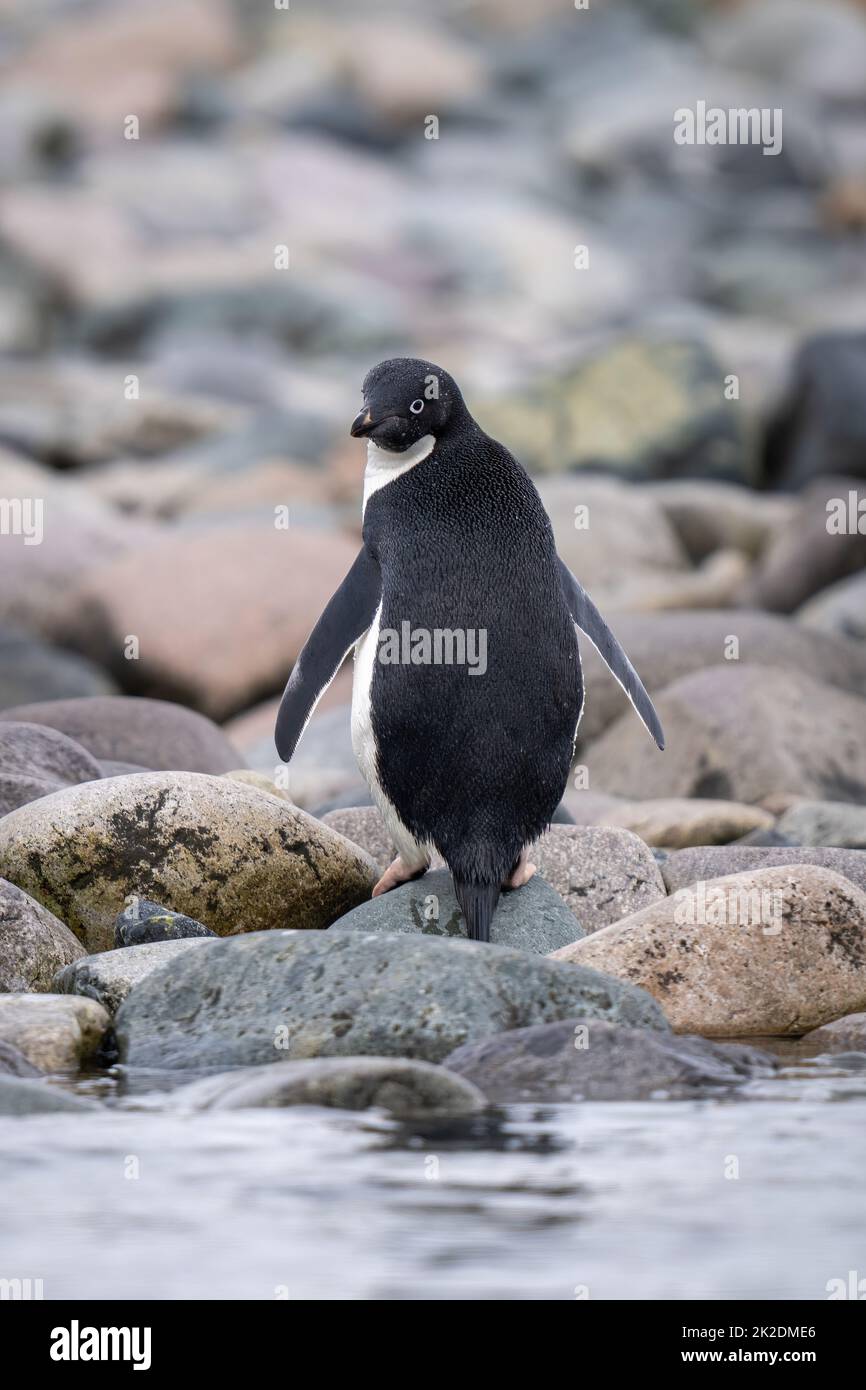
521,873
396,873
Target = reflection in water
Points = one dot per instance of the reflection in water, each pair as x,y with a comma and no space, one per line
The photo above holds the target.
754,1197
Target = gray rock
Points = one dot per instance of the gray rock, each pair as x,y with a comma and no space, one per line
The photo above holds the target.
352,1083
35,761
602,873
709,515
53,1032
839,609
257,998
34,944
578,1060
151,733
830,823
32,670
109,976
532,918
739,733
20,1097
142,922
362,823
14,1063
846,1034
808,556
821,424
706,862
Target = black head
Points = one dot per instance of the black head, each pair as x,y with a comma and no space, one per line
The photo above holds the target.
404,399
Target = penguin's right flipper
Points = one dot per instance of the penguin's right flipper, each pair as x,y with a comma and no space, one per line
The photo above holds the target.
587,617
346,618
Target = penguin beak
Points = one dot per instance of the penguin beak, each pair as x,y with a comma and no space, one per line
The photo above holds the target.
362,424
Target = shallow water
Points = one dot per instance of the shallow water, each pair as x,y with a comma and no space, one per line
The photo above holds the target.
629,1200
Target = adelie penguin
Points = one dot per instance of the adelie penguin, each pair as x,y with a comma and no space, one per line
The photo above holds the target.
468,761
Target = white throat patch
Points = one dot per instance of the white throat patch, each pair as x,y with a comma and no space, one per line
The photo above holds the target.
384,465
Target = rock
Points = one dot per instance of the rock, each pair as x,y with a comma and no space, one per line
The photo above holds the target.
831,823
678,823
663,647
323,765
364,826
688,866
294,995
258,780
532,918
53,1031
33,943
764,839
156,592
19,1097
109,976
771,951
602,874
813,552
36,761
142,922
205,846
573,1061
739,733
154,734
33,670
839,610
708,515
820,426
353,1083
14,1063
846,1034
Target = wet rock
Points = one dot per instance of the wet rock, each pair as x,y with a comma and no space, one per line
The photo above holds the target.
821,424
33,943
204,846
688,866
142,922
739,733
354,1083
573,1061
532,918
602,874
53,1031
157,593
822,546
109,976
14,1063
677,823
666,646
292,995
36,761
20,1097
839,610
846,1034
831,823
771,951
32,670
153,734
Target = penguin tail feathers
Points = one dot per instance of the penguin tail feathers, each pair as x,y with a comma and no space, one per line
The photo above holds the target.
478,904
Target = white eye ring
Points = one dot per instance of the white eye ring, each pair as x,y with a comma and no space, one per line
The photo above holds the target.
416,407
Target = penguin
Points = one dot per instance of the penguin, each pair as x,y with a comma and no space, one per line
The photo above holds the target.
464,755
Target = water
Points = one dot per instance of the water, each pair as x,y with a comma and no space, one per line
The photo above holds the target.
627,1200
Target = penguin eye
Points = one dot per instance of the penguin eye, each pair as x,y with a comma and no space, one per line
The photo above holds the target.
416,407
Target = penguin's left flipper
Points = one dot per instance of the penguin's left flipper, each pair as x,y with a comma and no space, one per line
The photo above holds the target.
346,618
587,617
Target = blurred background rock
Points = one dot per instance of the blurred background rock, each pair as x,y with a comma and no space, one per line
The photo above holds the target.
155,258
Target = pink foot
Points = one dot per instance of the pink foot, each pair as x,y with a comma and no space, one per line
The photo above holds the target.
395,874
521,873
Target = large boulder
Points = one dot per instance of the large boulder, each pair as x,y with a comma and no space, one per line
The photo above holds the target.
109,976
602,873
532,918
739,733
833,823
290,995
574,1060
53,1031
208,847
774,951
347,1083
708,515
36,761
663,647
823,544
687,866
34,944
32,670
675,823
153,734
820,425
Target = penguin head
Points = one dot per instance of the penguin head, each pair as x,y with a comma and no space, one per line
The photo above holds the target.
405,399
